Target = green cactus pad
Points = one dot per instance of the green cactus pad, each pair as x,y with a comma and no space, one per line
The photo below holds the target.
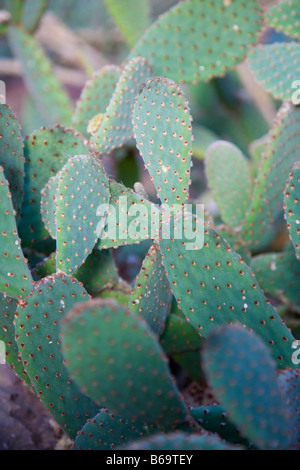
8,307
214,419
44,268
98,273
213,285
233,237
203,138
116,126
179,336
292,207
32,13
11,154
115,358
49,204
278,158
46,152
41,82
276,67
132,17
37,326
178,441
163,133
285,18
95,96
120,292
229,179
151,295
106,432
83,186
289,382
198,40
278,275
131,219
243,377
15,277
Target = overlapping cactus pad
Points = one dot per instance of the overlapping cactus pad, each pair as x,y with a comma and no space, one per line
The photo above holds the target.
46,152
244,379
164,138
15,277
106,431
116,128
11,154
201,39
93,335
214,286
95,97
285,18
228,175
278,158
125,16
292,206
151,295
78,228
276,67
38,336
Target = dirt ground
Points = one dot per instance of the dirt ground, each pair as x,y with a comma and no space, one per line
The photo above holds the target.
25,422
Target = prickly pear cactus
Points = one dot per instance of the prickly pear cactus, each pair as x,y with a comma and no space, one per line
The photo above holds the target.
170,342
291,206
198,40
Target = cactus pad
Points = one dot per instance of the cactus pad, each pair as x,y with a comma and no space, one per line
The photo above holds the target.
116,127
131,218
229,178
198,40
95,96
134,383
43,85
46,152
106,432
179,441
278,275
37,325
15,277
82,181
132,18
279,156
151,296
11,154
285,18
292,207
163,133
243,377
276,67
213,286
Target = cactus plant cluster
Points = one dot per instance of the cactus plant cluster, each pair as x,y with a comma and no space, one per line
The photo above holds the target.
100,352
